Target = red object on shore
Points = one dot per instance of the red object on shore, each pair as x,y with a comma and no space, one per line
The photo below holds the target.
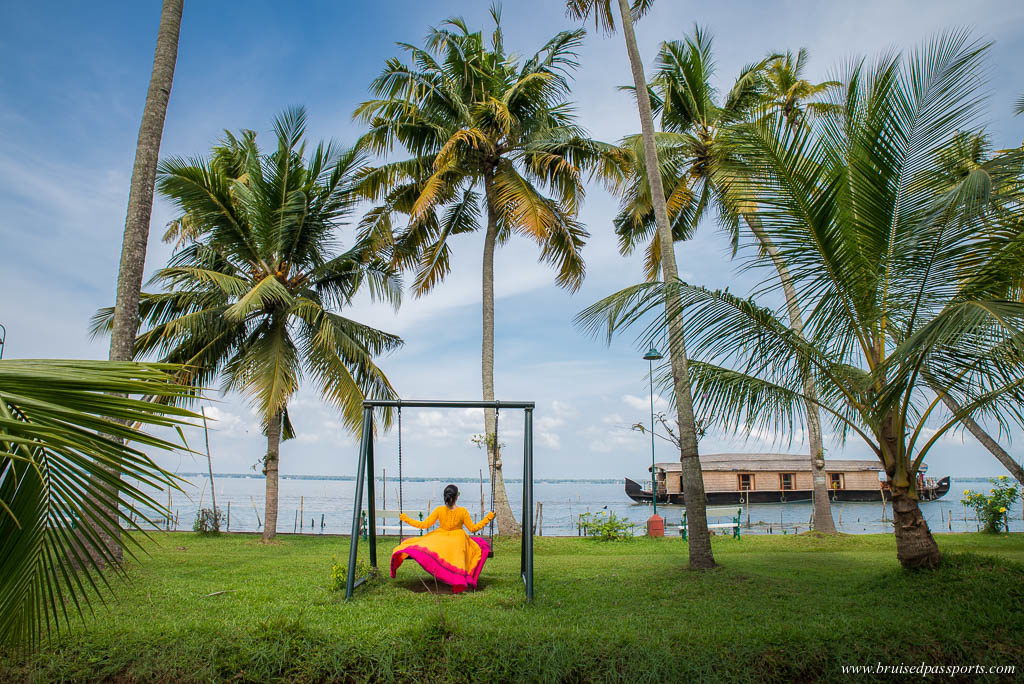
655,526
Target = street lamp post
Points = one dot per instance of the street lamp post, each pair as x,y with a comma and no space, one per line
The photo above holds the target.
655,525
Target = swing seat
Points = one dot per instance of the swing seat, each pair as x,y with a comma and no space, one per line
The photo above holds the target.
381,514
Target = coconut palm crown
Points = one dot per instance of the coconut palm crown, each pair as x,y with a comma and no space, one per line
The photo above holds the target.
254,293
691,146
787,90
493,147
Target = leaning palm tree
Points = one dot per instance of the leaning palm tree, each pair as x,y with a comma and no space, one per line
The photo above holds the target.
494,147
787,90
140,208
601,11
254,296
694,146
904,275
64,426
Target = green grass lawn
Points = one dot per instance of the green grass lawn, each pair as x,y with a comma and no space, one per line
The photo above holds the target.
780,608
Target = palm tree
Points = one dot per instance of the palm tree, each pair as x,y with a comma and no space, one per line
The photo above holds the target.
475,118
255,294
694,146
65,425
1018,107
789,92
903,275
699,543
140,207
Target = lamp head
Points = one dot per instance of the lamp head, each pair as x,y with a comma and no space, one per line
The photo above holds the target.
652,355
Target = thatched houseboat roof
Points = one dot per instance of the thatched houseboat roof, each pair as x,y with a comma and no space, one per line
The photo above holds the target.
770,462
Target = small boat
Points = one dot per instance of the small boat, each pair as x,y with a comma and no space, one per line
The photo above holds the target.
776,478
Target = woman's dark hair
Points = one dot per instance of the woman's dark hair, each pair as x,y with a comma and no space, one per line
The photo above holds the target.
451,494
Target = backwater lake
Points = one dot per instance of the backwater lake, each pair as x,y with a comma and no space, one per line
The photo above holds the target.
326,505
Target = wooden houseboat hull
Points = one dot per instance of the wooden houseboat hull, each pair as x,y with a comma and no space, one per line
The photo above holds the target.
637,493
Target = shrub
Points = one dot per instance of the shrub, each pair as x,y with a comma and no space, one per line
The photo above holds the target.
207,522
992,508
606,526
339,572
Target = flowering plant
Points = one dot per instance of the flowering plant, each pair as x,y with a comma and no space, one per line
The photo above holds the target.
992,507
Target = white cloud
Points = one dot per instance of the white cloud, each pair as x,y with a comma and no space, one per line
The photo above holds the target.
644,403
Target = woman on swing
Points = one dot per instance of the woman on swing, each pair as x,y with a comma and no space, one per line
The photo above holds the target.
447,553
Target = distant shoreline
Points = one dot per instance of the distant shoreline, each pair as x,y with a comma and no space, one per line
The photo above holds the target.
407,478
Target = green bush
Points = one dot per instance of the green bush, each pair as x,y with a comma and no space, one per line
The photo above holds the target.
606,526
207,522
993,508
339,572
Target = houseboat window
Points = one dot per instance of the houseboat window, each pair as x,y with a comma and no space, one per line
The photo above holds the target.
836,481
746,481
787,481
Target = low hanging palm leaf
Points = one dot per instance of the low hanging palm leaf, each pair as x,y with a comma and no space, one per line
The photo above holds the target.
254,295
64,424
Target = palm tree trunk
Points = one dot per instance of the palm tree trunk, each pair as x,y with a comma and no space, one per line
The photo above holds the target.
502,509
270,469
140,206
693,480
986,440
915,545
823,521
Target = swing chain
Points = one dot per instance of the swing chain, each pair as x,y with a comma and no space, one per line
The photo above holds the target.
493,464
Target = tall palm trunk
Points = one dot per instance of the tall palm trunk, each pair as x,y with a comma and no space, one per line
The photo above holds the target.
270,469
502,510
693,480
823,521
136,227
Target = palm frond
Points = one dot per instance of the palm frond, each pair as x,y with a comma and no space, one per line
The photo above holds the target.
66,427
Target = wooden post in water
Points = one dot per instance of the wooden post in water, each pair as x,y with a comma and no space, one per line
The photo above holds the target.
259,523
168,509
295,525
384,488
302,505
482,510
229,516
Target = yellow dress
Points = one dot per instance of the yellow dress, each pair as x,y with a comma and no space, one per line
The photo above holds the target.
447,553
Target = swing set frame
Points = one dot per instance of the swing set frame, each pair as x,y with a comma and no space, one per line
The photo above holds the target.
364,474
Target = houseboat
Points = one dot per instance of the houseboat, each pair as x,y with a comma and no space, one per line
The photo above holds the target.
775,478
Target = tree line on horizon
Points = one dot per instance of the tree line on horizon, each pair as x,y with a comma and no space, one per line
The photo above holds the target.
875,203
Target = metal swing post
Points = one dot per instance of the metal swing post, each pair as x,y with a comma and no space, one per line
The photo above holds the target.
365,445
527,546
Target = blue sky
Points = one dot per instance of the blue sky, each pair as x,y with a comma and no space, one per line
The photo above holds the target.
72,87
